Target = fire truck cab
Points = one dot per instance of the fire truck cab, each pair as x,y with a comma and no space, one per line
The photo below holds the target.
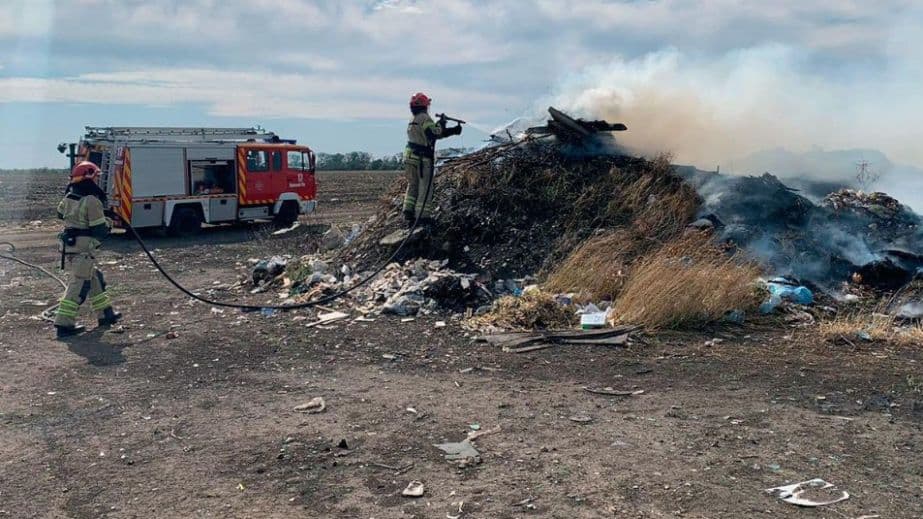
180,178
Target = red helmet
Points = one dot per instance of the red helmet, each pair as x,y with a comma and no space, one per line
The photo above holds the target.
84,170
419,100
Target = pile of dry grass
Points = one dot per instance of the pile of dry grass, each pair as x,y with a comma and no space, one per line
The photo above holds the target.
650,206
870,326
687,282
534,310
598,269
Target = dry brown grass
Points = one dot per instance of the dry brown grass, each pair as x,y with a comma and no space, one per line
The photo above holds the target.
533,310
870,326
687,282
652,205
659,202
597,270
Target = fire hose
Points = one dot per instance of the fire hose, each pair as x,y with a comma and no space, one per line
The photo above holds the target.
48,312
246,307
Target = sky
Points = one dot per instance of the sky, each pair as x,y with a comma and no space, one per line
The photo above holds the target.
707,81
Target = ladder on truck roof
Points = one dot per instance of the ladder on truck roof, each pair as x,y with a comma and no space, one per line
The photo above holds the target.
185,134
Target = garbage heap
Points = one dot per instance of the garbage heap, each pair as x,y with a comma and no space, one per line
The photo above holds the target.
849,236
519,209
416,287
503,216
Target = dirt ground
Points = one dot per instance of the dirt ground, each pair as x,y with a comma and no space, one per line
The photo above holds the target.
189,412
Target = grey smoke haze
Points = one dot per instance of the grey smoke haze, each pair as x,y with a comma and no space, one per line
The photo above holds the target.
708,111
836,167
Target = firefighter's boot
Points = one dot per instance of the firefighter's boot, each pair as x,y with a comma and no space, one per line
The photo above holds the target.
409,219
68,331
427,222
109,317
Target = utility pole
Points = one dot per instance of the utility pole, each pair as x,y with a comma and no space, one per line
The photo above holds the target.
865,175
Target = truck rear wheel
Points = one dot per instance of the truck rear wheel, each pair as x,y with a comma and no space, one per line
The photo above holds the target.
186,222
287,214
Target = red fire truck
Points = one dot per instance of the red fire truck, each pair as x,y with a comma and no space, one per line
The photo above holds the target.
180,178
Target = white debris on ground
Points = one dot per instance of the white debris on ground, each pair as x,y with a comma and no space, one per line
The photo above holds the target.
416,287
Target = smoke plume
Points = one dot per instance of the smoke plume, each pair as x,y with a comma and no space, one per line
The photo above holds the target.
708,112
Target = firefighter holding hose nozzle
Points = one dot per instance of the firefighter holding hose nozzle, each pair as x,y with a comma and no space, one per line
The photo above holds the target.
85,224
419,156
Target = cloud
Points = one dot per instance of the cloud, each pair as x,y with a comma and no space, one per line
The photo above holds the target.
700,78
239,93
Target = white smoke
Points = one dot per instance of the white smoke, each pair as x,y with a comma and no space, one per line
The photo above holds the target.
709,111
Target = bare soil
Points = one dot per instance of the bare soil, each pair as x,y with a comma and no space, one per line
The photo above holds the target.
188,412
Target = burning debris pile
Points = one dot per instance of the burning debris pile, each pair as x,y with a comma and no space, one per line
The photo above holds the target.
560,203
516,210
849,236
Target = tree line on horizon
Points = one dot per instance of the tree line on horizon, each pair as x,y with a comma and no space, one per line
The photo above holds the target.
352,161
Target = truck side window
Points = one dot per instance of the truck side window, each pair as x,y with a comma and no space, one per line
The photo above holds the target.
276,161
257,160
296,161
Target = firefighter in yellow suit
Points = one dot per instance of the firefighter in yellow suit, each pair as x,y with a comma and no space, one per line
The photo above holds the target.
85,224
422,134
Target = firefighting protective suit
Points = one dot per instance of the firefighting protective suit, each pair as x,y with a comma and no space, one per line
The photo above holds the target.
422,133
85,225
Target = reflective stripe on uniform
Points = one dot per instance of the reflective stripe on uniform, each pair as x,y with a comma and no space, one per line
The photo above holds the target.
101,301
98,221
68,308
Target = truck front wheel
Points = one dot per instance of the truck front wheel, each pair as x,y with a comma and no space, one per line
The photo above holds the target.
287,214
186,222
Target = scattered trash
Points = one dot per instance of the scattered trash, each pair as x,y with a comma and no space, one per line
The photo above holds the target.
581,419
526,503
458,514
440,324
268,312
460,451
517,342
713,342
608,391
313,406
414,489
781,290
389,356
592,317
332,239
353,234
266,270
735,317
473,435
395,238
397,470
326,318
811,493
287,229
475,426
